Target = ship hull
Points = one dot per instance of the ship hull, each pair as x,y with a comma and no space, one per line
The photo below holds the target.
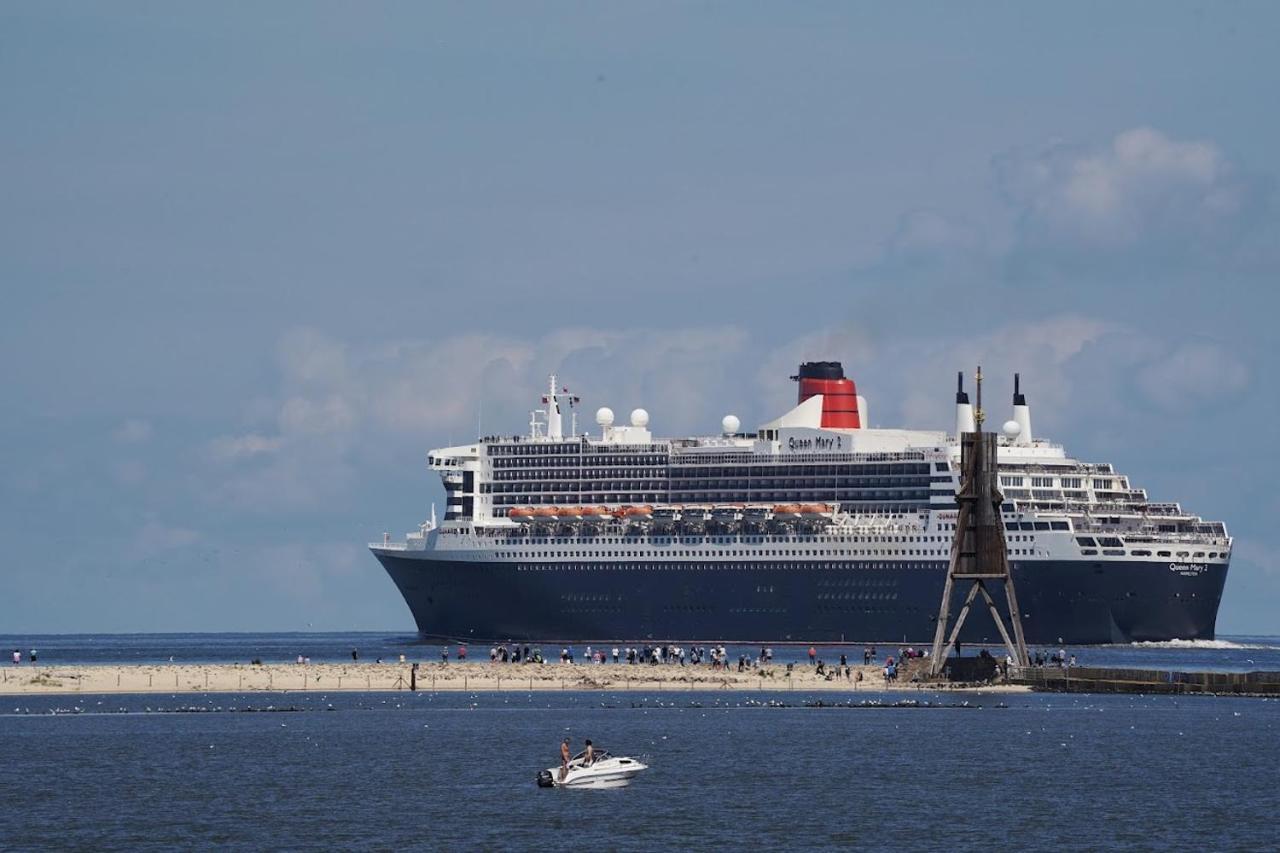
1068,601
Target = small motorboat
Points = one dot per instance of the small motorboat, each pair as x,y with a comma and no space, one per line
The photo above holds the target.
605,771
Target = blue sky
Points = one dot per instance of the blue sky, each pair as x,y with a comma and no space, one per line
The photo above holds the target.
256,259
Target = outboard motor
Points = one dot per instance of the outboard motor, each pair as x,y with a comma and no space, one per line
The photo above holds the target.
545,780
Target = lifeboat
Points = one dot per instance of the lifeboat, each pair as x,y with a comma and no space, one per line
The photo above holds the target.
545,513
569,514
622,511
815,510
664,518
638,513
786,512
521,514
595,513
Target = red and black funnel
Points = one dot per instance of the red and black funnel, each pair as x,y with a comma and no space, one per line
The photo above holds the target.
839,396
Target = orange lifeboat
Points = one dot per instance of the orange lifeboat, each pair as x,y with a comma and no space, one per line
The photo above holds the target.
622,511
786,511
595,513
545,513
639,511
815,510
569,513
521,514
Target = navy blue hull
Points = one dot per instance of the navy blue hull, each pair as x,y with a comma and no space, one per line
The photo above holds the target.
1077,602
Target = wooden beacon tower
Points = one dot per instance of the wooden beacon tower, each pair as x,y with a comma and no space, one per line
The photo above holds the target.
979,552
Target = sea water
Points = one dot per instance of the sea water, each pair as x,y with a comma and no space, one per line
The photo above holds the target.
910,770
1227,654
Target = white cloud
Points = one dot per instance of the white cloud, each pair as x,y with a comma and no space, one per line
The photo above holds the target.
338,400
133,431
429,393
1192,372
155,538
931,232
240,446
1145,186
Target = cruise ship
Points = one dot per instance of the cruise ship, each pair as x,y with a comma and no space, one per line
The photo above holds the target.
812,528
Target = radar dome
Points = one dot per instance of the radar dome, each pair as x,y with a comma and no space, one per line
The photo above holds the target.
1011,429
730,424
639,418
604,416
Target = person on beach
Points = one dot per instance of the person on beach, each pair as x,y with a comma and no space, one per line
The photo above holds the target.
813,656
355,654
17,658
33,657
444,654
564,759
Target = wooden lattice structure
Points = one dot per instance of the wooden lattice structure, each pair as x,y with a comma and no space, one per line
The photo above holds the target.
978,551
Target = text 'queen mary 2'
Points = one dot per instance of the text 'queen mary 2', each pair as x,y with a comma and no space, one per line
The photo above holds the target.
811,528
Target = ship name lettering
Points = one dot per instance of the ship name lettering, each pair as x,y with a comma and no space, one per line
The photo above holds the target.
819,442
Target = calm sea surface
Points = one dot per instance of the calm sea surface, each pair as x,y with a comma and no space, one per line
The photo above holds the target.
1230,653
455,771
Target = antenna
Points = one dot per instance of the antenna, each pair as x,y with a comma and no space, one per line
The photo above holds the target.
978,415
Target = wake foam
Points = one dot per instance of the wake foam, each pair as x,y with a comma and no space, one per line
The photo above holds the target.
1208,645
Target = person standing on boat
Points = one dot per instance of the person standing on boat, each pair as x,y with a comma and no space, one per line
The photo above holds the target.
590,756
564,759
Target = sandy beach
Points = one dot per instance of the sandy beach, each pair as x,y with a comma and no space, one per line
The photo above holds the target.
229,678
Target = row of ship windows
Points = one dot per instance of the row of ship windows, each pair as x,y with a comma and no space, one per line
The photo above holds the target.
609,466
653,451
756,540
1142,552
677,476
1062,482
753,565
868,552
502,485
516,498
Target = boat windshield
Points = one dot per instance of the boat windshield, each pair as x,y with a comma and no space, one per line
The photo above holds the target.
598,754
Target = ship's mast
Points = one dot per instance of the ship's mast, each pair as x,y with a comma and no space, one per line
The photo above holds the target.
978,415
555,428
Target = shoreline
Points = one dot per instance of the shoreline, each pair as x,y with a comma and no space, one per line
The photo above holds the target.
436,677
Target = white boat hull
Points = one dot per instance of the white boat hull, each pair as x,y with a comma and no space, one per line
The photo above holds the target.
607,773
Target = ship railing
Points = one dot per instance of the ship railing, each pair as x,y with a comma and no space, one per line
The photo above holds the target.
1166,539
678,460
